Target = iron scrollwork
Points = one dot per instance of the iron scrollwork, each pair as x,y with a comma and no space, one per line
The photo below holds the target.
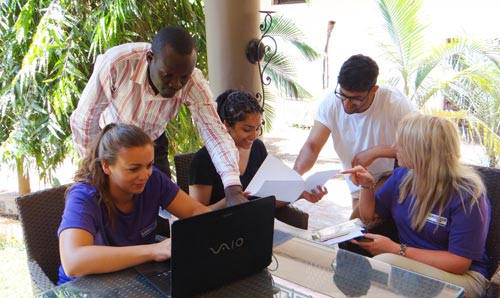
262,53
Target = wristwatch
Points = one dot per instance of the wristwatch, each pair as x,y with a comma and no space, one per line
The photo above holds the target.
402,250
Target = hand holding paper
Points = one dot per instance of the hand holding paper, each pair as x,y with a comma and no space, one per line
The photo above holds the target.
276,178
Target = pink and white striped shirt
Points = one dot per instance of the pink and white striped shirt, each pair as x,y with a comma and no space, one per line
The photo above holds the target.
119,92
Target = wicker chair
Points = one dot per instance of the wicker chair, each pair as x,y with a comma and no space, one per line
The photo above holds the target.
491,179
40,215
182,163
287,214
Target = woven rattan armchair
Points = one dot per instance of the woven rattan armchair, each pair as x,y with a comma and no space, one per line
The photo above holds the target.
287,214
182,164
491,179
40,215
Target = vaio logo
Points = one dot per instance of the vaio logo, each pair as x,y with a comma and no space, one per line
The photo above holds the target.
227,246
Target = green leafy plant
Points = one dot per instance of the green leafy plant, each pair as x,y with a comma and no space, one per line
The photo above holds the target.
47,56
48,51
280,71
281,68
461,71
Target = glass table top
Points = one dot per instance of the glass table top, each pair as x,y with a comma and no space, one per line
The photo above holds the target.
300,267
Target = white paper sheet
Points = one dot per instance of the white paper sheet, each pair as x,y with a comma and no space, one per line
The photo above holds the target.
276,178
272,169
319,178
285,191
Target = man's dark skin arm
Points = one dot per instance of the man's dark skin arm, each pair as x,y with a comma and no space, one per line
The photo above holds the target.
234,195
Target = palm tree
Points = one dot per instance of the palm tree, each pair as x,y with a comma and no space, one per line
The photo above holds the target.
465,72
281,68
280,71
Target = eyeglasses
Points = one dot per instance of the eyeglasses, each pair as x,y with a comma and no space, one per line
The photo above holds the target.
355,100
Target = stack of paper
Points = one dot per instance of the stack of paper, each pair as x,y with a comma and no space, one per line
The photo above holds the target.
274,178
340,233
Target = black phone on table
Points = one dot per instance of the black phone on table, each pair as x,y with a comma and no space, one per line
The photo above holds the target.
363,239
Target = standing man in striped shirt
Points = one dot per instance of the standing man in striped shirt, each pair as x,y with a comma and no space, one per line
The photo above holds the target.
145,84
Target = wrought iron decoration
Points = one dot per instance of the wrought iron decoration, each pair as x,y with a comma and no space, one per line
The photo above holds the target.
258,51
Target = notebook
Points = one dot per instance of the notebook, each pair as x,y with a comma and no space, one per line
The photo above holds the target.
215,248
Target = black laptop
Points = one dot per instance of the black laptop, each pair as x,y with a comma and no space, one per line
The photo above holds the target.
215,248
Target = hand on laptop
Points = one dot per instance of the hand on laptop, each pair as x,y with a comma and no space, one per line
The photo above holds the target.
162,250
234,195
315,195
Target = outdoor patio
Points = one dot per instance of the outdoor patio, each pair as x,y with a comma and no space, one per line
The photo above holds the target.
289,131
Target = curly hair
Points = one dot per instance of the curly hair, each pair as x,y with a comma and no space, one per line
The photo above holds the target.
234,106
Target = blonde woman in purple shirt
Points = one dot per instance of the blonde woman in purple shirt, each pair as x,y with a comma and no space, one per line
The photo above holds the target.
439,206
109,220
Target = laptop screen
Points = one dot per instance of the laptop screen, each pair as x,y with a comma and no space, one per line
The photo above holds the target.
211,249
215,248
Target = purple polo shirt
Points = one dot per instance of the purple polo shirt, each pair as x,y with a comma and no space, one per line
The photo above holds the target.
460,231
82,211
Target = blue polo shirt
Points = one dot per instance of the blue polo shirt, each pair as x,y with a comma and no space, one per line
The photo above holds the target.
82,211
461,231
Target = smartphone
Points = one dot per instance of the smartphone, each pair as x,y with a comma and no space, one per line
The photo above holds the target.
363,239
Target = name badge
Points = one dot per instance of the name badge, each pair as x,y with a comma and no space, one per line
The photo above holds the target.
437,220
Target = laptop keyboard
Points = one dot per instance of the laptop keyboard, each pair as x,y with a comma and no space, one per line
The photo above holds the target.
162,282
158,274
164,274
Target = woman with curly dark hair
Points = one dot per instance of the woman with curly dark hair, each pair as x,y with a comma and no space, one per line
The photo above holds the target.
241,113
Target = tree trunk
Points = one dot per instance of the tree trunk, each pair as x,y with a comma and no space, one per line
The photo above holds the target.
23,179
326,63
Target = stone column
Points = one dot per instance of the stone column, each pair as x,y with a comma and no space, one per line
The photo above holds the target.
230,25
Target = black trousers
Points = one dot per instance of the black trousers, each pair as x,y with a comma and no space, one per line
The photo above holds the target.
161,155
162,164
